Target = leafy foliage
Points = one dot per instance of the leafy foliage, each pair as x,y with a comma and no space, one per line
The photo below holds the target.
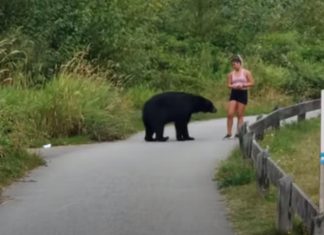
174,44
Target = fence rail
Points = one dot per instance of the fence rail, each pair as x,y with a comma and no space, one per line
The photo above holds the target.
292,200
274,118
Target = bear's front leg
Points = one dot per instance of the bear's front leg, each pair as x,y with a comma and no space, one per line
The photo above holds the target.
186,133
182,131
159,134
179,131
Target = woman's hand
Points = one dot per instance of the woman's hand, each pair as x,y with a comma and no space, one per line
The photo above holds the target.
238,86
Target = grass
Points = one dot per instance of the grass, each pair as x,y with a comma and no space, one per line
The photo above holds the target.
252,214
14,164
235,171
235,178
296,149
66,107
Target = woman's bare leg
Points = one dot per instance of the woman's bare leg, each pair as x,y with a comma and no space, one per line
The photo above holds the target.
240,115
230,115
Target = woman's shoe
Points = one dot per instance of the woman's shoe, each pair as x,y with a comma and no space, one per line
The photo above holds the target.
228,136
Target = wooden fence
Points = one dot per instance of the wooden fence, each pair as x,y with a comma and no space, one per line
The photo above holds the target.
291,199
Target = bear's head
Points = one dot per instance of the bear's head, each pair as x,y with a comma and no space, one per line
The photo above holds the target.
206,106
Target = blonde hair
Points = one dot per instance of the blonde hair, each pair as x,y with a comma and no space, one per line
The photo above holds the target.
237,58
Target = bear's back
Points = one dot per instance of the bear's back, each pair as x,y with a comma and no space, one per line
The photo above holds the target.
169,99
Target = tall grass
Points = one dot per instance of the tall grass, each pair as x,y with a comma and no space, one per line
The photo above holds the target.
67,106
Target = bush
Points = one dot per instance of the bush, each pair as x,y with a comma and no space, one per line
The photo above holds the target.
275,46
268,75
307,80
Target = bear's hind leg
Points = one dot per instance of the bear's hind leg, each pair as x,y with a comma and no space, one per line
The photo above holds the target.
149,135
148,132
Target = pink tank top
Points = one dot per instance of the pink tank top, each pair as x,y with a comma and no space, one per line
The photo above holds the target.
239,78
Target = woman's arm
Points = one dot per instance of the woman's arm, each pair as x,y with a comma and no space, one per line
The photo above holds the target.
250,82
229,81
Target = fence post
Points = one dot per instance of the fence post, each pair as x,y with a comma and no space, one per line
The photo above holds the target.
276,124
301,117
263,182
318,225
242,132
284,219
247,140
260,134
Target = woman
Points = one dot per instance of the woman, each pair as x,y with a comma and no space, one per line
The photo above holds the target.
239,81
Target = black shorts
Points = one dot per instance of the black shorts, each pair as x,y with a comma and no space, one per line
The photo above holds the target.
239,96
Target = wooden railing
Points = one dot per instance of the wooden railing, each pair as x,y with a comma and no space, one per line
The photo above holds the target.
292,200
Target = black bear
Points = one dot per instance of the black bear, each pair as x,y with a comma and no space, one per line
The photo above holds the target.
174,107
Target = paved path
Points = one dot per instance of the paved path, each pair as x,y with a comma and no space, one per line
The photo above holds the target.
124,188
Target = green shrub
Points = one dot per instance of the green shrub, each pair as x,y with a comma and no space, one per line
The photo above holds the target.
275,46
234,171
268,75
306,81
139,94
